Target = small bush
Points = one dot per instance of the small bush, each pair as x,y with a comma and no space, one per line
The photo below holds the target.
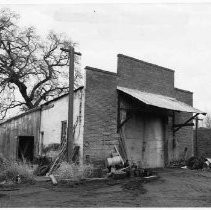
72,171
14,169
196,162
4,163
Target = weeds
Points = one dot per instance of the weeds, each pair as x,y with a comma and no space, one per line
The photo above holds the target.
73,171
11,170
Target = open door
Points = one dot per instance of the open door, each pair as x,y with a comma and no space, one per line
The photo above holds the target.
26,148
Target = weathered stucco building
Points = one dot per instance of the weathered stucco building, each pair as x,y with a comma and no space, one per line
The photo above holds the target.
138,109
40,127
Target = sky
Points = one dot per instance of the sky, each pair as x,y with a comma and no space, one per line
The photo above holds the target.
174,35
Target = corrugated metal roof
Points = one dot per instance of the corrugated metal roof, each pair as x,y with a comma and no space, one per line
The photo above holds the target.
159,100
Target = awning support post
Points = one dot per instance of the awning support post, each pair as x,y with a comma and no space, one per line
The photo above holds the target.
121,124
179,126
174,137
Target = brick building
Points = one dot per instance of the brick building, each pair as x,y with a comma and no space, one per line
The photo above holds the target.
203,142
137,109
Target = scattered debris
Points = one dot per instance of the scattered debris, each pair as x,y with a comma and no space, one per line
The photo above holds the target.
118,169
118,174
88,172
177,163
53,179
96,179
42,179
150,177
58,158
43,167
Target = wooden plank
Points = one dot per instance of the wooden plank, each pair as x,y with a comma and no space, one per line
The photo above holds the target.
119,154
183,125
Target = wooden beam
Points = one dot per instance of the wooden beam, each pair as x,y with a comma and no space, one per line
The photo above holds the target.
183,124
121,124
192,118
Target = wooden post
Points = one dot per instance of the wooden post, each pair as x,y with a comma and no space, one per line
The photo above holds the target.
196,152
196,138
70,137
70,106
174,137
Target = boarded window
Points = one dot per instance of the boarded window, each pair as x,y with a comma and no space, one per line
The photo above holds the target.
63,131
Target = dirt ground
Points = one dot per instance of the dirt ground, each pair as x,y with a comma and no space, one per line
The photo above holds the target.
173,188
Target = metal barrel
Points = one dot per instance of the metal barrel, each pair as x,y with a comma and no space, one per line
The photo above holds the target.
114,161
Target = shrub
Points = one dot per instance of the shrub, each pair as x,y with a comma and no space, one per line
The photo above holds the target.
14,169
4,163
196,162
73,171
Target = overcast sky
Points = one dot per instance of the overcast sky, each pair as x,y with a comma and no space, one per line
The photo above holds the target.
176,36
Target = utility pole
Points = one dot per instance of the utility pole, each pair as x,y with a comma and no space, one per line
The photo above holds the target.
70,137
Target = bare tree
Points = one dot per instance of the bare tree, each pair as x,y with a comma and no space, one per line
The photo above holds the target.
30,67
207,121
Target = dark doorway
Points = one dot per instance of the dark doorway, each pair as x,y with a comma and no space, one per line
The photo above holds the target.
26,148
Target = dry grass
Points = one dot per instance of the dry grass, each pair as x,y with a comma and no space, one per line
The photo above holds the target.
10,170
72,171
4,163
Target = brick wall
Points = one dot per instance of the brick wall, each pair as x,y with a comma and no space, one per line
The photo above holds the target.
137,74
184,136
100,123
100,129
204,142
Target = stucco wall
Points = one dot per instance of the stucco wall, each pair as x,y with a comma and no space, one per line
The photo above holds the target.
51,120
57,112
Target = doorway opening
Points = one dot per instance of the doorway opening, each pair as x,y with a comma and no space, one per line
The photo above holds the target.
26,148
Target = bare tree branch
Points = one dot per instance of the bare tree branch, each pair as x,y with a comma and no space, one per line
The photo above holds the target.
33,68
207,121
